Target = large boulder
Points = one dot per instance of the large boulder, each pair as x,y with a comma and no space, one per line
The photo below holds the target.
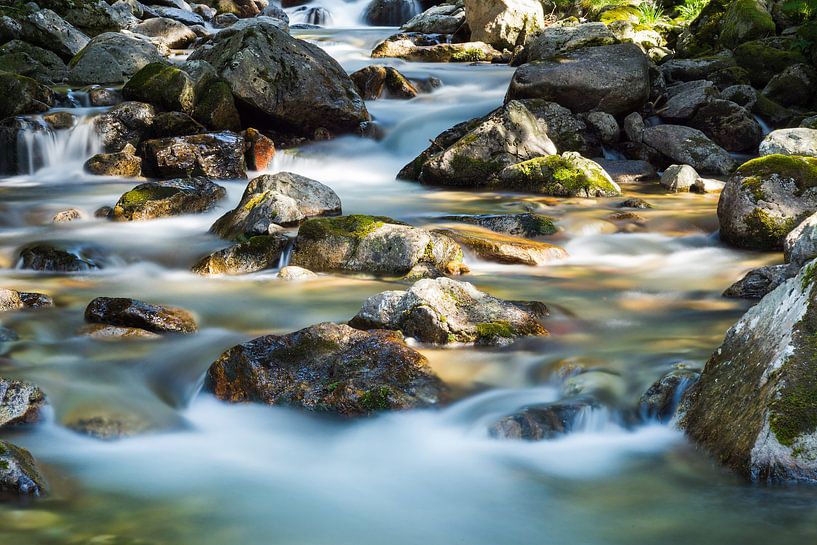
124,312
289,84
22,58
565,175
755,405
125,123
765,199
504,23
729,125
745,20
112,58
327,368
764,59
22,95
793,87
612,78
215,155
561,39
166,87
46,29
443,311
442,19
255,254
271,200
20,403
798,141
168,32
421,48
161,199
372,245
474,152
689,146
19,475
800,245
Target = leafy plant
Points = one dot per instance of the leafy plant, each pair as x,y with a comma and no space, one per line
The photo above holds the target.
805,9
649,13
690,9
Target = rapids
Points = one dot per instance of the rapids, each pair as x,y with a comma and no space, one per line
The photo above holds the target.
626,304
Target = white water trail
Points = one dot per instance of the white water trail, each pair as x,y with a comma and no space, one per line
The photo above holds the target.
56,153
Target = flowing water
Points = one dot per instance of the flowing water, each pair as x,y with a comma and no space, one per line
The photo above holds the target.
627,304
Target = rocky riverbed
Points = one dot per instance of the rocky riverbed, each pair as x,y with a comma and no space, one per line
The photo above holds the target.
364,271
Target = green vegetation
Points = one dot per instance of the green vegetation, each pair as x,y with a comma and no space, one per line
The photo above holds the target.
468,55
804,10
568,175
651,14
690,9
766,231
355,226
492,330
802,170
376,399
143,193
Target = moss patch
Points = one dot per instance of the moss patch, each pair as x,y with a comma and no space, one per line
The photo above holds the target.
355,226
491,330
764,231
803,170
376,399
566,175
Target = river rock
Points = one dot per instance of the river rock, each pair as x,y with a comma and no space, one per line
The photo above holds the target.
168,32
661,399
166,198
504,24
474,152
389,12
793,87
166,87
765,199
170,124
628,171
46,29
566,175
215,106
277,199
292,274
443,311
252,255
260,150
287,83
376,81
125,163
686,145
105,332
506,249
23,95
20,403
729,125
800,245
560,39
61,257
125,123
372,245
684,99
526,225
543,422
28,60
612,78
112,58
182,15
568,131
123,312
19,475
442,19
757,283
679,178
327,368
216,155
419,48
754,406
17,300
799,141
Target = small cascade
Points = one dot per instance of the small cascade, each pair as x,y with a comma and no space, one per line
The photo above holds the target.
390,12
764,127
41,148
612,154
286,255
591,419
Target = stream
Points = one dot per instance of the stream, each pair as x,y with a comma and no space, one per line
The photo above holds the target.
627,304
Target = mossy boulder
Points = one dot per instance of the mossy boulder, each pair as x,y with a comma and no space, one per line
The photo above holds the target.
112,58
28,60
373,245
560,39
282,82
217,155
765,199
125,312
755,406
23,95
764,59
62,257
20,403
166,198
793,87
255,254
728,124
162,85
327,368
125,163
474,153
272,200
19,474
443,311
745,20
491,246
215,107
800,141
566,175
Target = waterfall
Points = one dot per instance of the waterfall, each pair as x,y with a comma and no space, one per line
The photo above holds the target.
44,150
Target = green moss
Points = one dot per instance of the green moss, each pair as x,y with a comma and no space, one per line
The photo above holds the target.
333,386
755,186
567,175
255,200
475,169
803,170
162,85
809,275
468,55
766,231
491,330
141,194
764,59
376,399
794,412
745,20
542,225
355,226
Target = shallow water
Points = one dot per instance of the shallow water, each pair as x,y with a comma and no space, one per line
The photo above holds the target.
626,303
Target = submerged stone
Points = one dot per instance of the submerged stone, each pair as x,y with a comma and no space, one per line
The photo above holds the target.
252,255
166,198
124,312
